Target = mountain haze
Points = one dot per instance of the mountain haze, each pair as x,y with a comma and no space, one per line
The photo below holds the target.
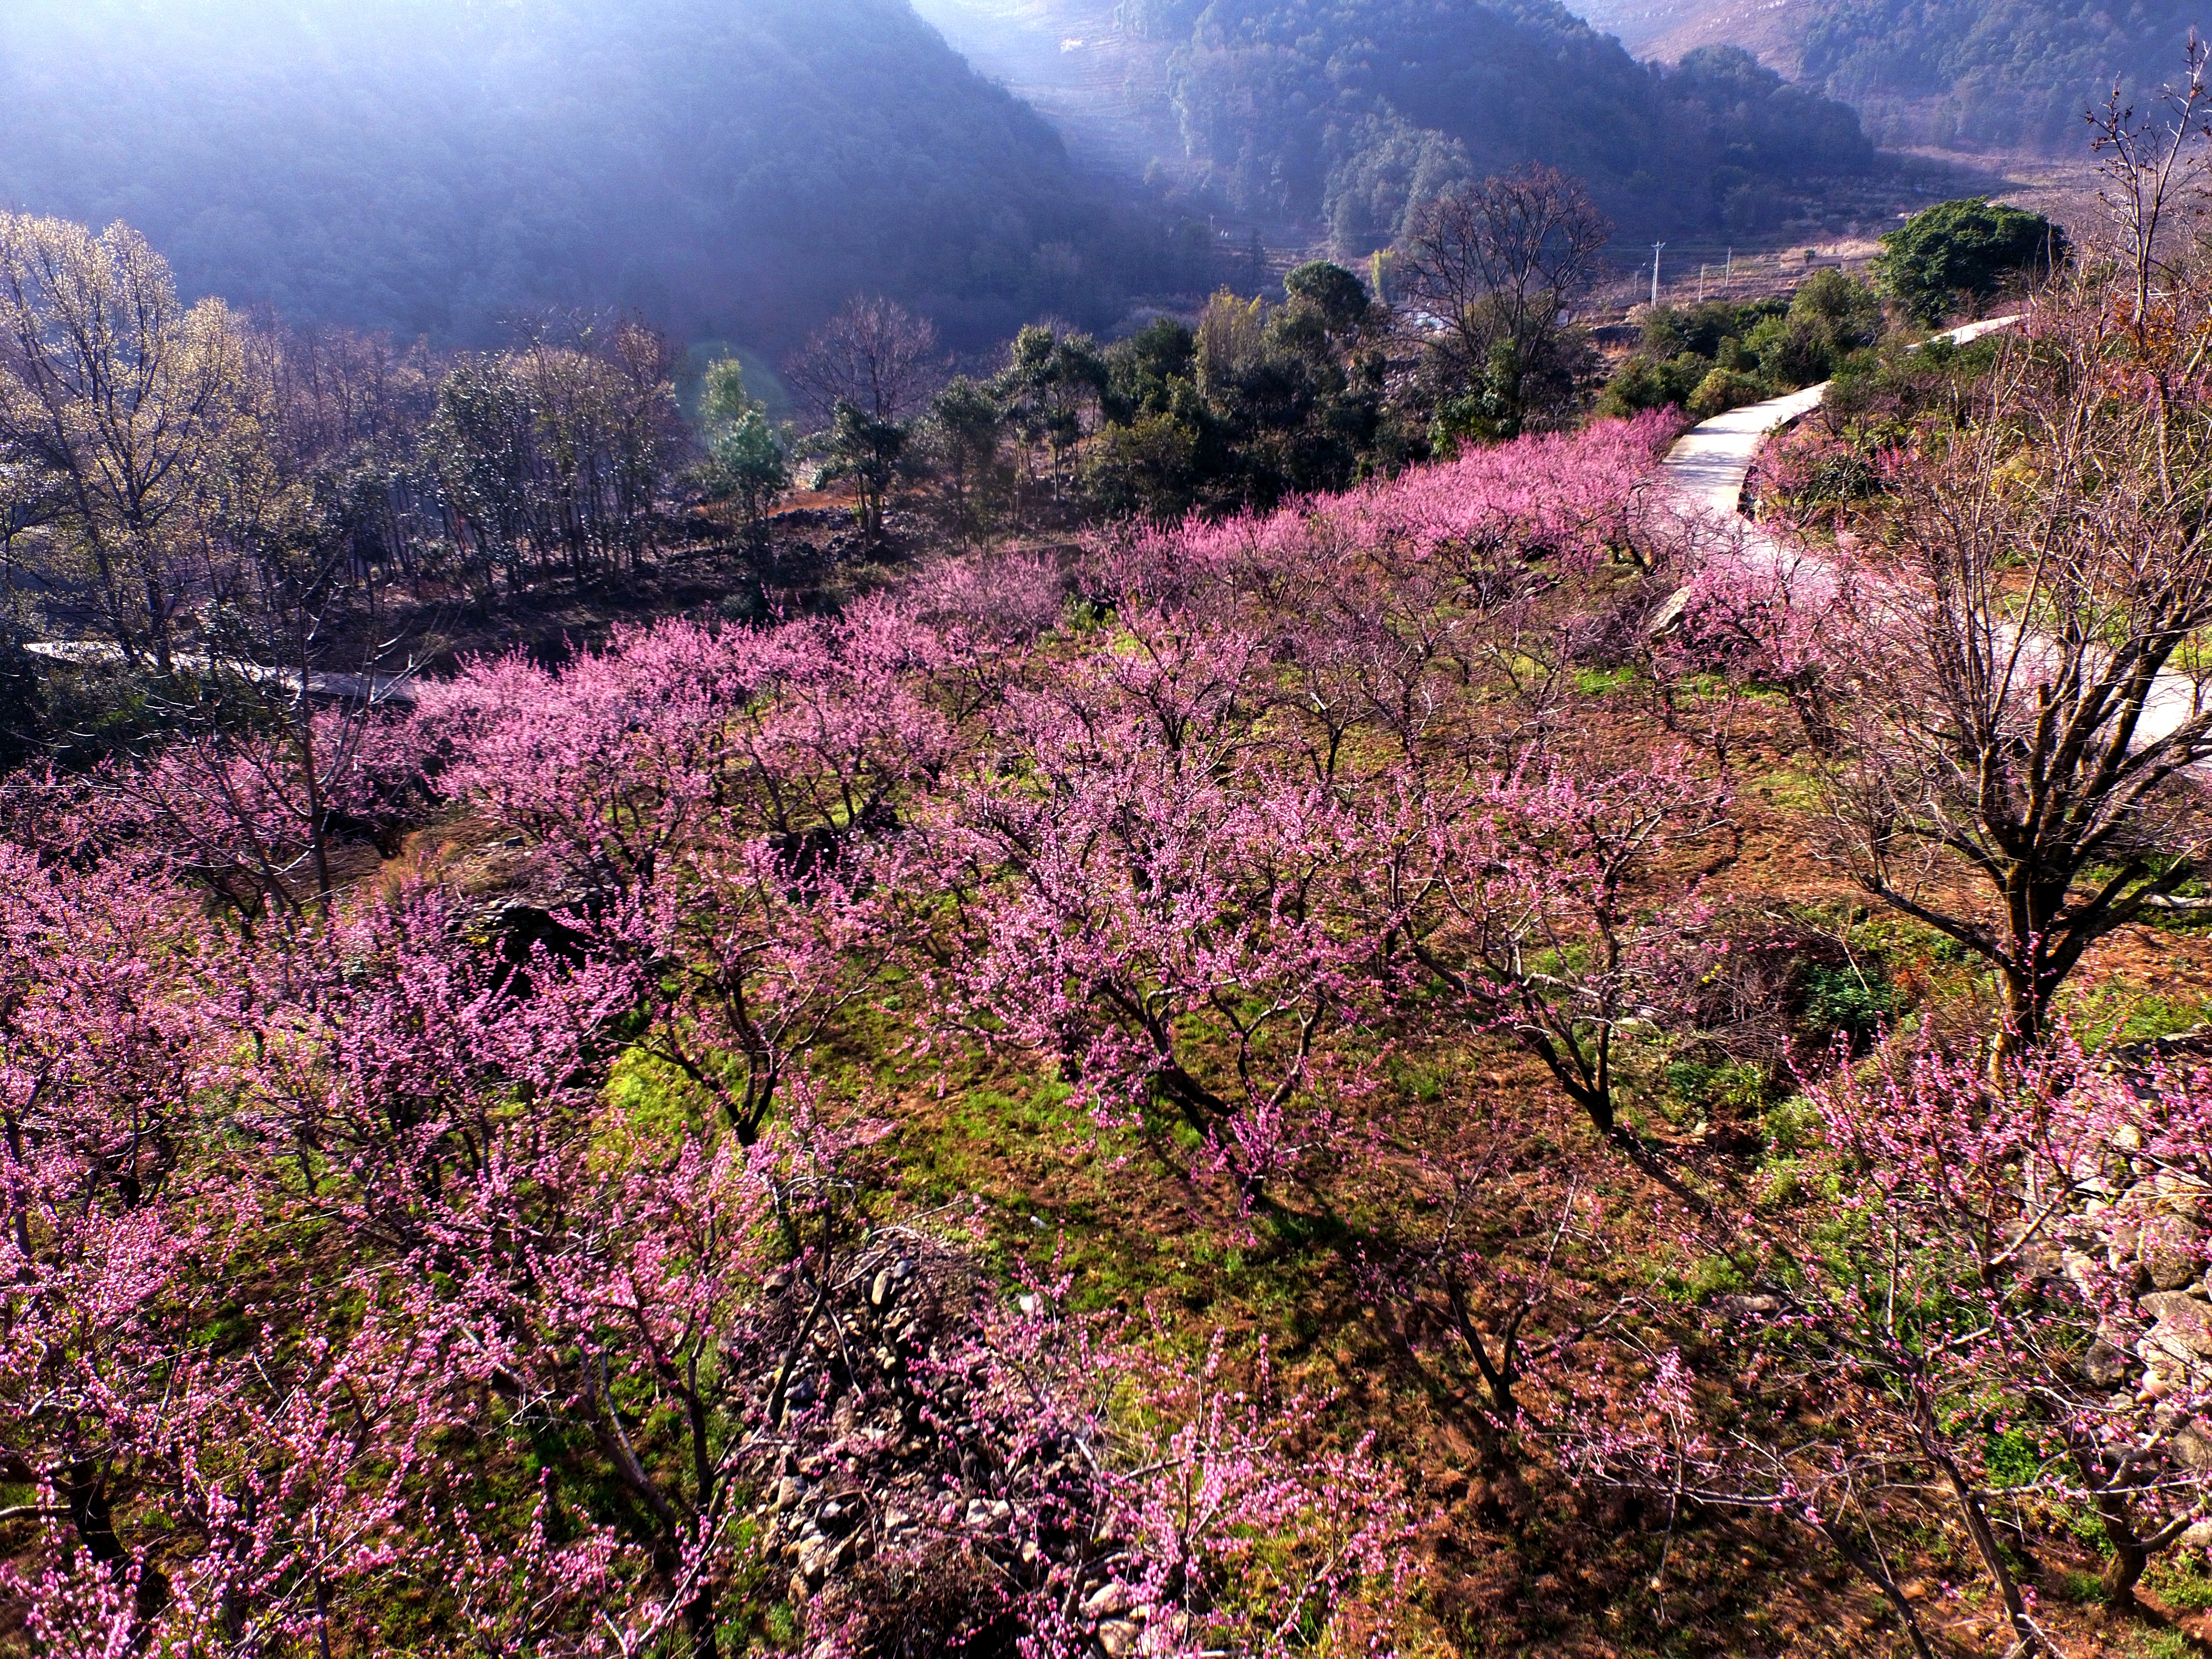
2009,74
1349,111
430,166
1344,111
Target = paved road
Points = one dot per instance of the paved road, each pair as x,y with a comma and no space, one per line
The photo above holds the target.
1709,463
328,688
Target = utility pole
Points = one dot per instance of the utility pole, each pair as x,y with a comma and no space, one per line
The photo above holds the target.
1730,276
1702,269
1656,247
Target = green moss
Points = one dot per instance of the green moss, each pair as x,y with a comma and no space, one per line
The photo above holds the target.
1745,1085
2179,1580
781,1625
1603,682
1857,999
2112,1013
655,1098
2078,1587
1792,1125
2012,1458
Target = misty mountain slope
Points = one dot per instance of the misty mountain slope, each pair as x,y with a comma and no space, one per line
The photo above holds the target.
429,167
1350,109
1103,89
1998,74
1665,29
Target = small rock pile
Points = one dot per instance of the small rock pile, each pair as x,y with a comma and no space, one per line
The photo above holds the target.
2148,1240
922,1486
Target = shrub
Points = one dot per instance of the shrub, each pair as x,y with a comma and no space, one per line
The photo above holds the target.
1963,252
1723,390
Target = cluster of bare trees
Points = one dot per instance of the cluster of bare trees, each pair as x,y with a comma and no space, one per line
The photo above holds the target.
2017,669
2021,669
2003,668
551,460
180,482
119,408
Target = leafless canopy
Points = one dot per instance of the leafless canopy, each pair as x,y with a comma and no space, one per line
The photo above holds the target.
2019,670
874,355
1501,260
115,400
2148,163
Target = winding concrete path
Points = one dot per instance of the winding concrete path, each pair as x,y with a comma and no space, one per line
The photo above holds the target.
321,687
1709,463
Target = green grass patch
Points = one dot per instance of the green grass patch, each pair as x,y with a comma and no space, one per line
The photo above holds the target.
2082,1588
2109,1013
2179,1579
1604,682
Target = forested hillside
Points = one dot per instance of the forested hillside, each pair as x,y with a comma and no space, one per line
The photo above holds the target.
2004,73
1353,110
734,170
2008,74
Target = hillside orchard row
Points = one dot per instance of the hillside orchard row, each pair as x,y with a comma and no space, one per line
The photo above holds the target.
426,1262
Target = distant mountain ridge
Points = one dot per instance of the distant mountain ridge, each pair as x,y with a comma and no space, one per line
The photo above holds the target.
1349,110
1975,74
434,166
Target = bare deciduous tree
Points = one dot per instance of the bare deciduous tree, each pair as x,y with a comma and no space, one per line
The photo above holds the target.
2018,669
1496,264
119,405
875,354
2147,163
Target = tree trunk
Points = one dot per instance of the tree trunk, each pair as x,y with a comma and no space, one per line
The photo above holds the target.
1869,1562
158,625
699,1621
2030,1639
2117,1581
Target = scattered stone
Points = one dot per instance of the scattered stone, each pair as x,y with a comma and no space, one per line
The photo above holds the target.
2194,1447
2183,1193
2185,1323
1106,1600
2104,1364
2168,1252
1666,618
817,1556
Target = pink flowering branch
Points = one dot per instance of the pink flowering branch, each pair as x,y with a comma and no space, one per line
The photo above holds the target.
1963,1263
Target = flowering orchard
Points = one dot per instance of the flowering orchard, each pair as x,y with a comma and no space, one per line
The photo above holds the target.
531,1250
